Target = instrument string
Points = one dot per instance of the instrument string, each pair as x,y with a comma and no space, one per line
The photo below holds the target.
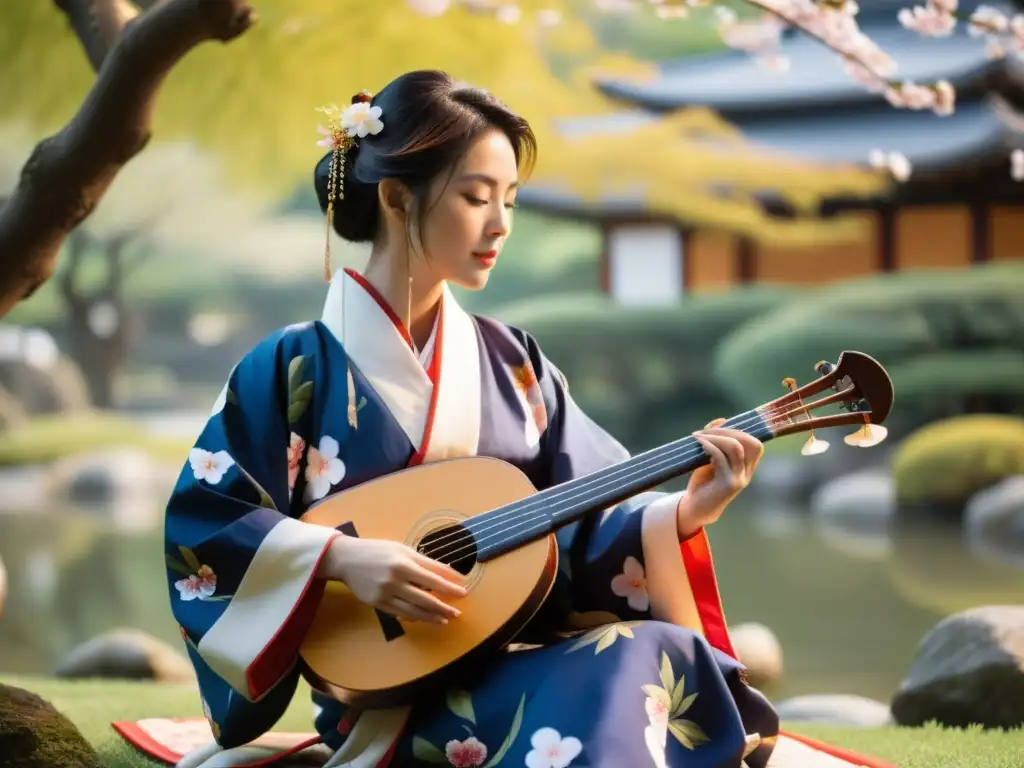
546,504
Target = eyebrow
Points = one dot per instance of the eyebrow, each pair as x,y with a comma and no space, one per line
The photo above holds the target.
489,180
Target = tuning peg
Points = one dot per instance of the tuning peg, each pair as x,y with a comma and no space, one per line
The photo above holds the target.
867,436
813,446
824,367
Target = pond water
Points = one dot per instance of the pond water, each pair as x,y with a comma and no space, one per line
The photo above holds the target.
848,609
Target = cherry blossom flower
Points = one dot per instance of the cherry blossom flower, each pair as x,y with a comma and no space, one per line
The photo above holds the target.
200,585
657,707
550,750
296,448
361,120
945,98
429,7
928,20
209,466
987,20
470,753
508,14
632,585
549,17
323,469
899,166
655,737
1017,165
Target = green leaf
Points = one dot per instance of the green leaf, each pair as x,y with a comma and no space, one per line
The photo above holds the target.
677,693
653,690
190,559
591,637
266,500
299,402
177,567
427,752
668,680
517,722
688,733
295,367
461,703
624,628
682,706
606,640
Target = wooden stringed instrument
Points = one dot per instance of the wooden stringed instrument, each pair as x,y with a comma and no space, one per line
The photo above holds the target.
483,517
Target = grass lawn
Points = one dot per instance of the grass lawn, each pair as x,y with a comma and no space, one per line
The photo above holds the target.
48,438
93,705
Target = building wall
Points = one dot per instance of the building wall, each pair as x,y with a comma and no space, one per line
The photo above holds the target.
650,263
710,260
820,263
1006,231
934,236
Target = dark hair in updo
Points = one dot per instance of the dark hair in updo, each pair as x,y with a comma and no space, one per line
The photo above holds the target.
430,122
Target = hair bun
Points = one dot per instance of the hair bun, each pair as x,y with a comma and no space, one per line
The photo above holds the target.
362,97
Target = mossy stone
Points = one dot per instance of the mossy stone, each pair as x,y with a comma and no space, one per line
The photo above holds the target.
33,734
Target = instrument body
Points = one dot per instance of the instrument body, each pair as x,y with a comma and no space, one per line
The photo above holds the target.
484,517
372,660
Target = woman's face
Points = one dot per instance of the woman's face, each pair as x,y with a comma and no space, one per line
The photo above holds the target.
470,213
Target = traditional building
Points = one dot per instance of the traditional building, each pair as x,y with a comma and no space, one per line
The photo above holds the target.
959,206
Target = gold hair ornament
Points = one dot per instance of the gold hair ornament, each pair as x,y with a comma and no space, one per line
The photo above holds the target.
358,120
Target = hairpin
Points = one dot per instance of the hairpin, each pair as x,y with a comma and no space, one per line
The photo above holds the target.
358,120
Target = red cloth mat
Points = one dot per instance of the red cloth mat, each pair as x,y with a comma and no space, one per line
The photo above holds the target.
168,739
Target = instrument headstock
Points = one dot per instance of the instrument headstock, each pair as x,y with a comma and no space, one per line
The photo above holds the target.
859,388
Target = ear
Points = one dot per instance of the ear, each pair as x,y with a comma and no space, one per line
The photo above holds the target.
395,200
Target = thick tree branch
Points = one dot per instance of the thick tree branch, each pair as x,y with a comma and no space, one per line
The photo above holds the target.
97,24
67,174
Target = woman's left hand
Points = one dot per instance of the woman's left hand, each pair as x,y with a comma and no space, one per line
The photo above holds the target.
734,457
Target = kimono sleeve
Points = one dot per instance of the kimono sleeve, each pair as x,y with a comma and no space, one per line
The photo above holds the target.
627,560
241,568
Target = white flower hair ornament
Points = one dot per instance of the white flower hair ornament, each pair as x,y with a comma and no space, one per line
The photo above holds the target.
356,121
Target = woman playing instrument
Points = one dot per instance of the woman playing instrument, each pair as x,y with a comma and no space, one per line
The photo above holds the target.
394,374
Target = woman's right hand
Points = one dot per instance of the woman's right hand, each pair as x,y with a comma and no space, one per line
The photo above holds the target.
393,578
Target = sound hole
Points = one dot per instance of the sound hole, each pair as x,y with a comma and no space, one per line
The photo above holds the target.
452,545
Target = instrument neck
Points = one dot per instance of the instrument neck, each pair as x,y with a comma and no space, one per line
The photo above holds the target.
513,525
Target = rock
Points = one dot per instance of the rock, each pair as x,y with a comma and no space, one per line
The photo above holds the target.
126,654
103,475
37,375
792,478
835,709
852,512
759,650
969,669
994,522
865,498
35,735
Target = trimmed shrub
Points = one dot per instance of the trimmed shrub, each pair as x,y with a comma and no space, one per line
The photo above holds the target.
643,373
951,340
949,460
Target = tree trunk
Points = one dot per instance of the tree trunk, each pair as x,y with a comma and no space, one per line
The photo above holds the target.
67,174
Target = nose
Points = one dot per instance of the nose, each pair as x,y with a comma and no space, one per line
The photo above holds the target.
500,223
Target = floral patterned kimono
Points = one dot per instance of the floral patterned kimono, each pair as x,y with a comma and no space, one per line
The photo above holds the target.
628,663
